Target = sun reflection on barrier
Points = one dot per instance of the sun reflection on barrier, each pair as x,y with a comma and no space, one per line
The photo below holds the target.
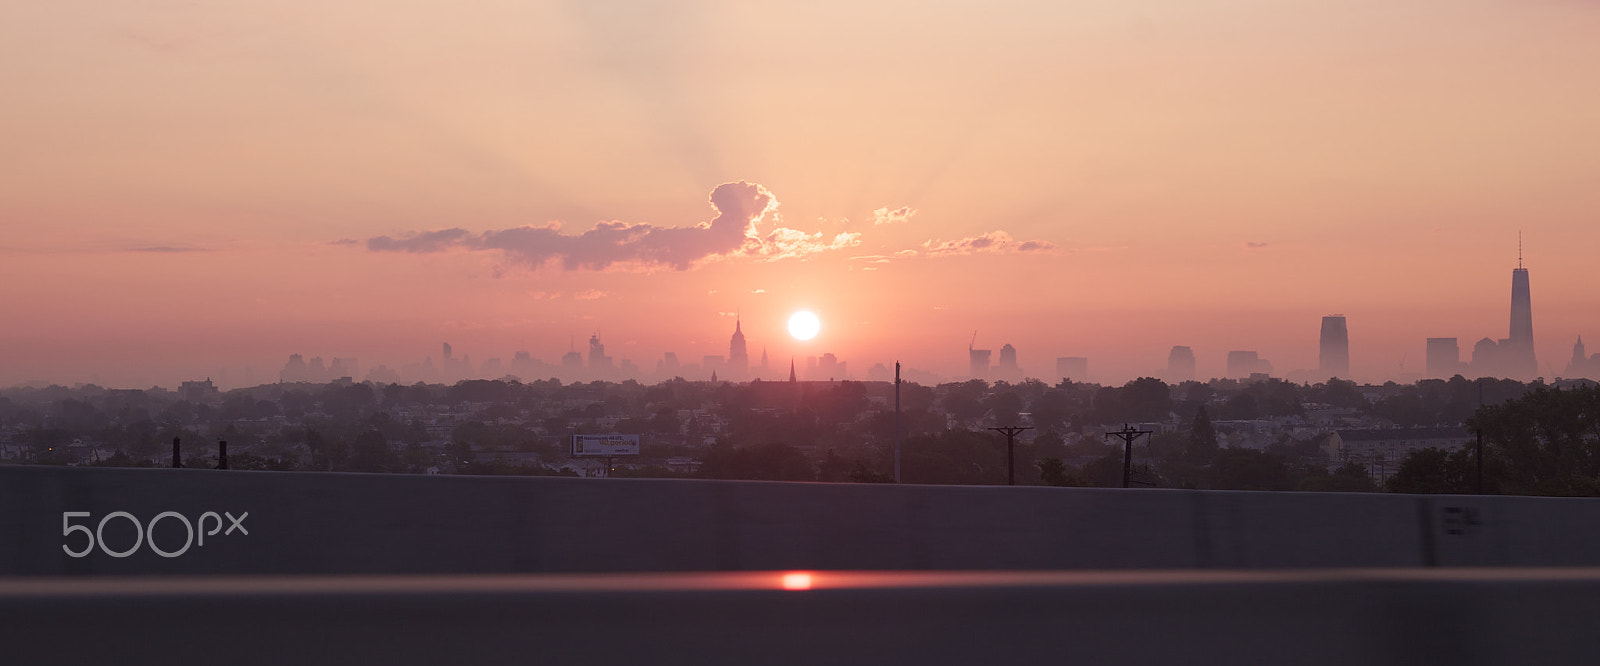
796,580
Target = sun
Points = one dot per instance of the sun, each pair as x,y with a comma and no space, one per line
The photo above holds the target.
803,325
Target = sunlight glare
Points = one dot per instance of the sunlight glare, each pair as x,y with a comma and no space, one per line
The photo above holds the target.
797,581
803,325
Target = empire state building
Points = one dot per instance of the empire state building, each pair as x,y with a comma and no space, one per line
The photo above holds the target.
738,358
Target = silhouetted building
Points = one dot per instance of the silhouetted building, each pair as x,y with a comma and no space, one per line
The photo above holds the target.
1333,357
1523,363
1180,364
1511,357
1581,365
342,367
978,362
1008,368
668,365
738,359
713,364
1075,368
1243,364
1444,358
830,367
294,371
572,363
599,363
199,392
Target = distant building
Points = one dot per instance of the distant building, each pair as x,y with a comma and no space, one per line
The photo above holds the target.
198,392
738,358
1008,368
1180,364
1075,368
599,363
713,364
1333,357
1511,357
1444,358
1382,450
978,363
343,367
668,365
1581,365
830,367
1243,364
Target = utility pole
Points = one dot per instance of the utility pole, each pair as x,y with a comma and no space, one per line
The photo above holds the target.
222,453
897,422
1127,434
177,458
1480,393
1011,459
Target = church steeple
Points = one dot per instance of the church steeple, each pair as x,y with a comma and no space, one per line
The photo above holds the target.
791,370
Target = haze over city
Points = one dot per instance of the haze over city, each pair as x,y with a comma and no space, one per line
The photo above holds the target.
202,191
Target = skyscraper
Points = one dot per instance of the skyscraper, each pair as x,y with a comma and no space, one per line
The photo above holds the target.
1180,364
1075,368
1008,368
978,362
1444,358
1519,357
598,361
1511,357
1242,364
1333,359
738,359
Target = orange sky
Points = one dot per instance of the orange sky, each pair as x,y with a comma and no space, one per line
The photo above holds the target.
176,177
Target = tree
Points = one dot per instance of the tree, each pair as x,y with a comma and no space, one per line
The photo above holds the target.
1545,443
371,453
1248,469
1054,472
1433,471
1202,438
1350,477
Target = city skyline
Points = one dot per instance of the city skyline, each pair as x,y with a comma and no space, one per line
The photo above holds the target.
1508,358
195,191
1442,358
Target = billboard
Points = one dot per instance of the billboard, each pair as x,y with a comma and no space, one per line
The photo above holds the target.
605,445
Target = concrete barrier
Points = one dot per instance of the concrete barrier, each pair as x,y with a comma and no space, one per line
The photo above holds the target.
1334,617
313,523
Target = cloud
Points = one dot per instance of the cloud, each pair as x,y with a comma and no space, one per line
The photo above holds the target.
345,241
733,233
896,216
164,249
992,242
1254,245
784,243
758,291
430,241
589,295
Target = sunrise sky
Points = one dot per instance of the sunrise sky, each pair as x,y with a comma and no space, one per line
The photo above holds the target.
192,189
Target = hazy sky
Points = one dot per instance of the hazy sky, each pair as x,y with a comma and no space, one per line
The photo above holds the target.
189,188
